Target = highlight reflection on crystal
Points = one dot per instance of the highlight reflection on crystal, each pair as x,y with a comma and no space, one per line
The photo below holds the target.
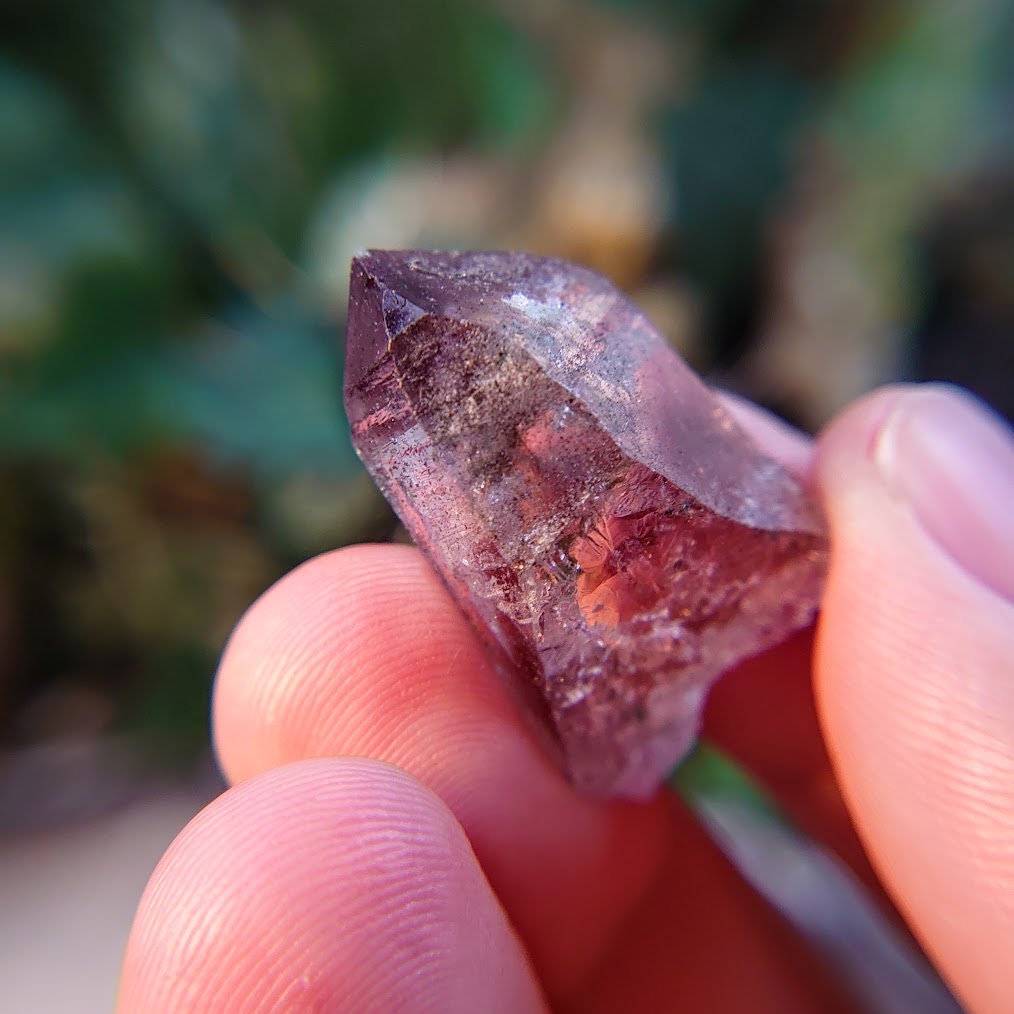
611,533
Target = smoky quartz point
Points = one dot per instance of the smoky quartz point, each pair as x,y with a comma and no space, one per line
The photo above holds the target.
609,530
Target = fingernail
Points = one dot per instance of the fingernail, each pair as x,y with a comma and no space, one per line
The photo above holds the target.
951,459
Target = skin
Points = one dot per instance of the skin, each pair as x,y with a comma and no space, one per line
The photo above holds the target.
394,840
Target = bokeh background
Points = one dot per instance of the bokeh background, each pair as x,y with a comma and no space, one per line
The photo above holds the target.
810,197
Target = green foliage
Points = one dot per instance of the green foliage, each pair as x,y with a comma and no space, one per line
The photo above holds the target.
731,148
709,774
162,359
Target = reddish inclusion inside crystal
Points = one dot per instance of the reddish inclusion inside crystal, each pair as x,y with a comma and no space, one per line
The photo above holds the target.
624,564
676,559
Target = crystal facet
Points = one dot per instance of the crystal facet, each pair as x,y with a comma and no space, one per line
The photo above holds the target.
617,540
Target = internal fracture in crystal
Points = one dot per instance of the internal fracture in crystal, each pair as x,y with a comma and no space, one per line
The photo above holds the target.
611,533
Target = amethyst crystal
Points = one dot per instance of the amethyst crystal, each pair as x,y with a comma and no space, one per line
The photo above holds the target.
615,537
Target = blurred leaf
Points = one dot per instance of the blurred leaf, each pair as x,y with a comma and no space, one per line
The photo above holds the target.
708,773
910,115
262,391
730,145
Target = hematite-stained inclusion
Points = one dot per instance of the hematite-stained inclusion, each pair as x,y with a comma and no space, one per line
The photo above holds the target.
609,530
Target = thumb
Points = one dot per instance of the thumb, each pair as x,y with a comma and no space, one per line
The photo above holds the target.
915,666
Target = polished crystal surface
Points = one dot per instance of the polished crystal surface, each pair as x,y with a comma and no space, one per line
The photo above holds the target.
613,535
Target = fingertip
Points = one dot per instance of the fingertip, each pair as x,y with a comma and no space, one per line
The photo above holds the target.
850,437
346,644
326,885
915,688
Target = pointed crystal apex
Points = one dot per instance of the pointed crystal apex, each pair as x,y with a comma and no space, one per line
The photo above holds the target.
611,533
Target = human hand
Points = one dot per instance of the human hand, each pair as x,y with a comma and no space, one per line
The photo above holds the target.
395,841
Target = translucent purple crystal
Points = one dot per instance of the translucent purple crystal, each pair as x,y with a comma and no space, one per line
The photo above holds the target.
614,536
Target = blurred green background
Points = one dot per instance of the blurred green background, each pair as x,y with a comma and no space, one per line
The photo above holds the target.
810,197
